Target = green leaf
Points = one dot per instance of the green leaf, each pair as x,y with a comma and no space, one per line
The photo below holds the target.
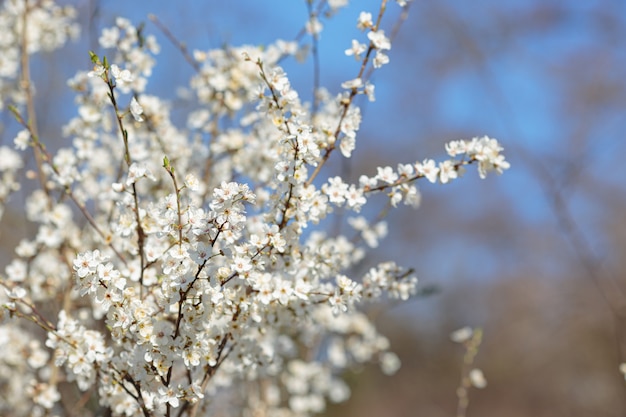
94,58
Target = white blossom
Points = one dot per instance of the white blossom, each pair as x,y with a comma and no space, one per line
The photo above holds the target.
365,21
462,335
477,378
379,40
136,110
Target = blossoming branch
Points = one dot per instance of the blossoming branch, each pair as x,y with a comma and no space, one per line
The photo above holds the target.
186,270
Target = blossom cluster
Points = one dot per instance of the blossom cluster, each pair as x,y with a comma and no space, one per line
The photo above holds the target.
47,28
184,269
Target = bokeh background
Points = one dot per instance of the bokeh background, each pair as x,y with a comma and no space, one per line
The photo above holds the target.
535,257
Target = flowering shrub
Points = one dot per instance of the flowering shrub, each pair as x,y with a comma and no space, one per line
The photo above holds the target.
185,270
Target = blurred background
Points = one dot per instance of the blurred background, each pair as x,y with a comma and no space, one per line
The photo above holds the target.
535,257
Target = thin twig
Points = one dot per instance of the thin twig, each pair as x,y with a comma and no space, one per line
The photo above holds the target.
462,392
316,59
346,103
26,85
179,45
127,157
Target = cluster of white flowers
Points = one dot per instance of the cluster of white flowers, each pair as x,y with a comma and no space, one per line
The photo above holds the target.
484,151
174,267
48,27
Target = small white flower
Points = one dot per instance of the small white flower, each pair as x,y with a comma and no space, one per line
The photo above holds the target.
121,76
192,182
9,159
22,140
456,147
386,175
16,293
365,21
109,37
347,145
428,168
380,59
136,110
389,363
477,378
336,4
242,264
356,50
355,83
338,302
379,40
369,91
98,71
336,190
462,335
314,26
447,171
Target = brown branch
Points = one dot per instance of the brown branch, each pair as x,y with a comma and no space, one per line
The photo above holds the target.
128,159
179,45
26,85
